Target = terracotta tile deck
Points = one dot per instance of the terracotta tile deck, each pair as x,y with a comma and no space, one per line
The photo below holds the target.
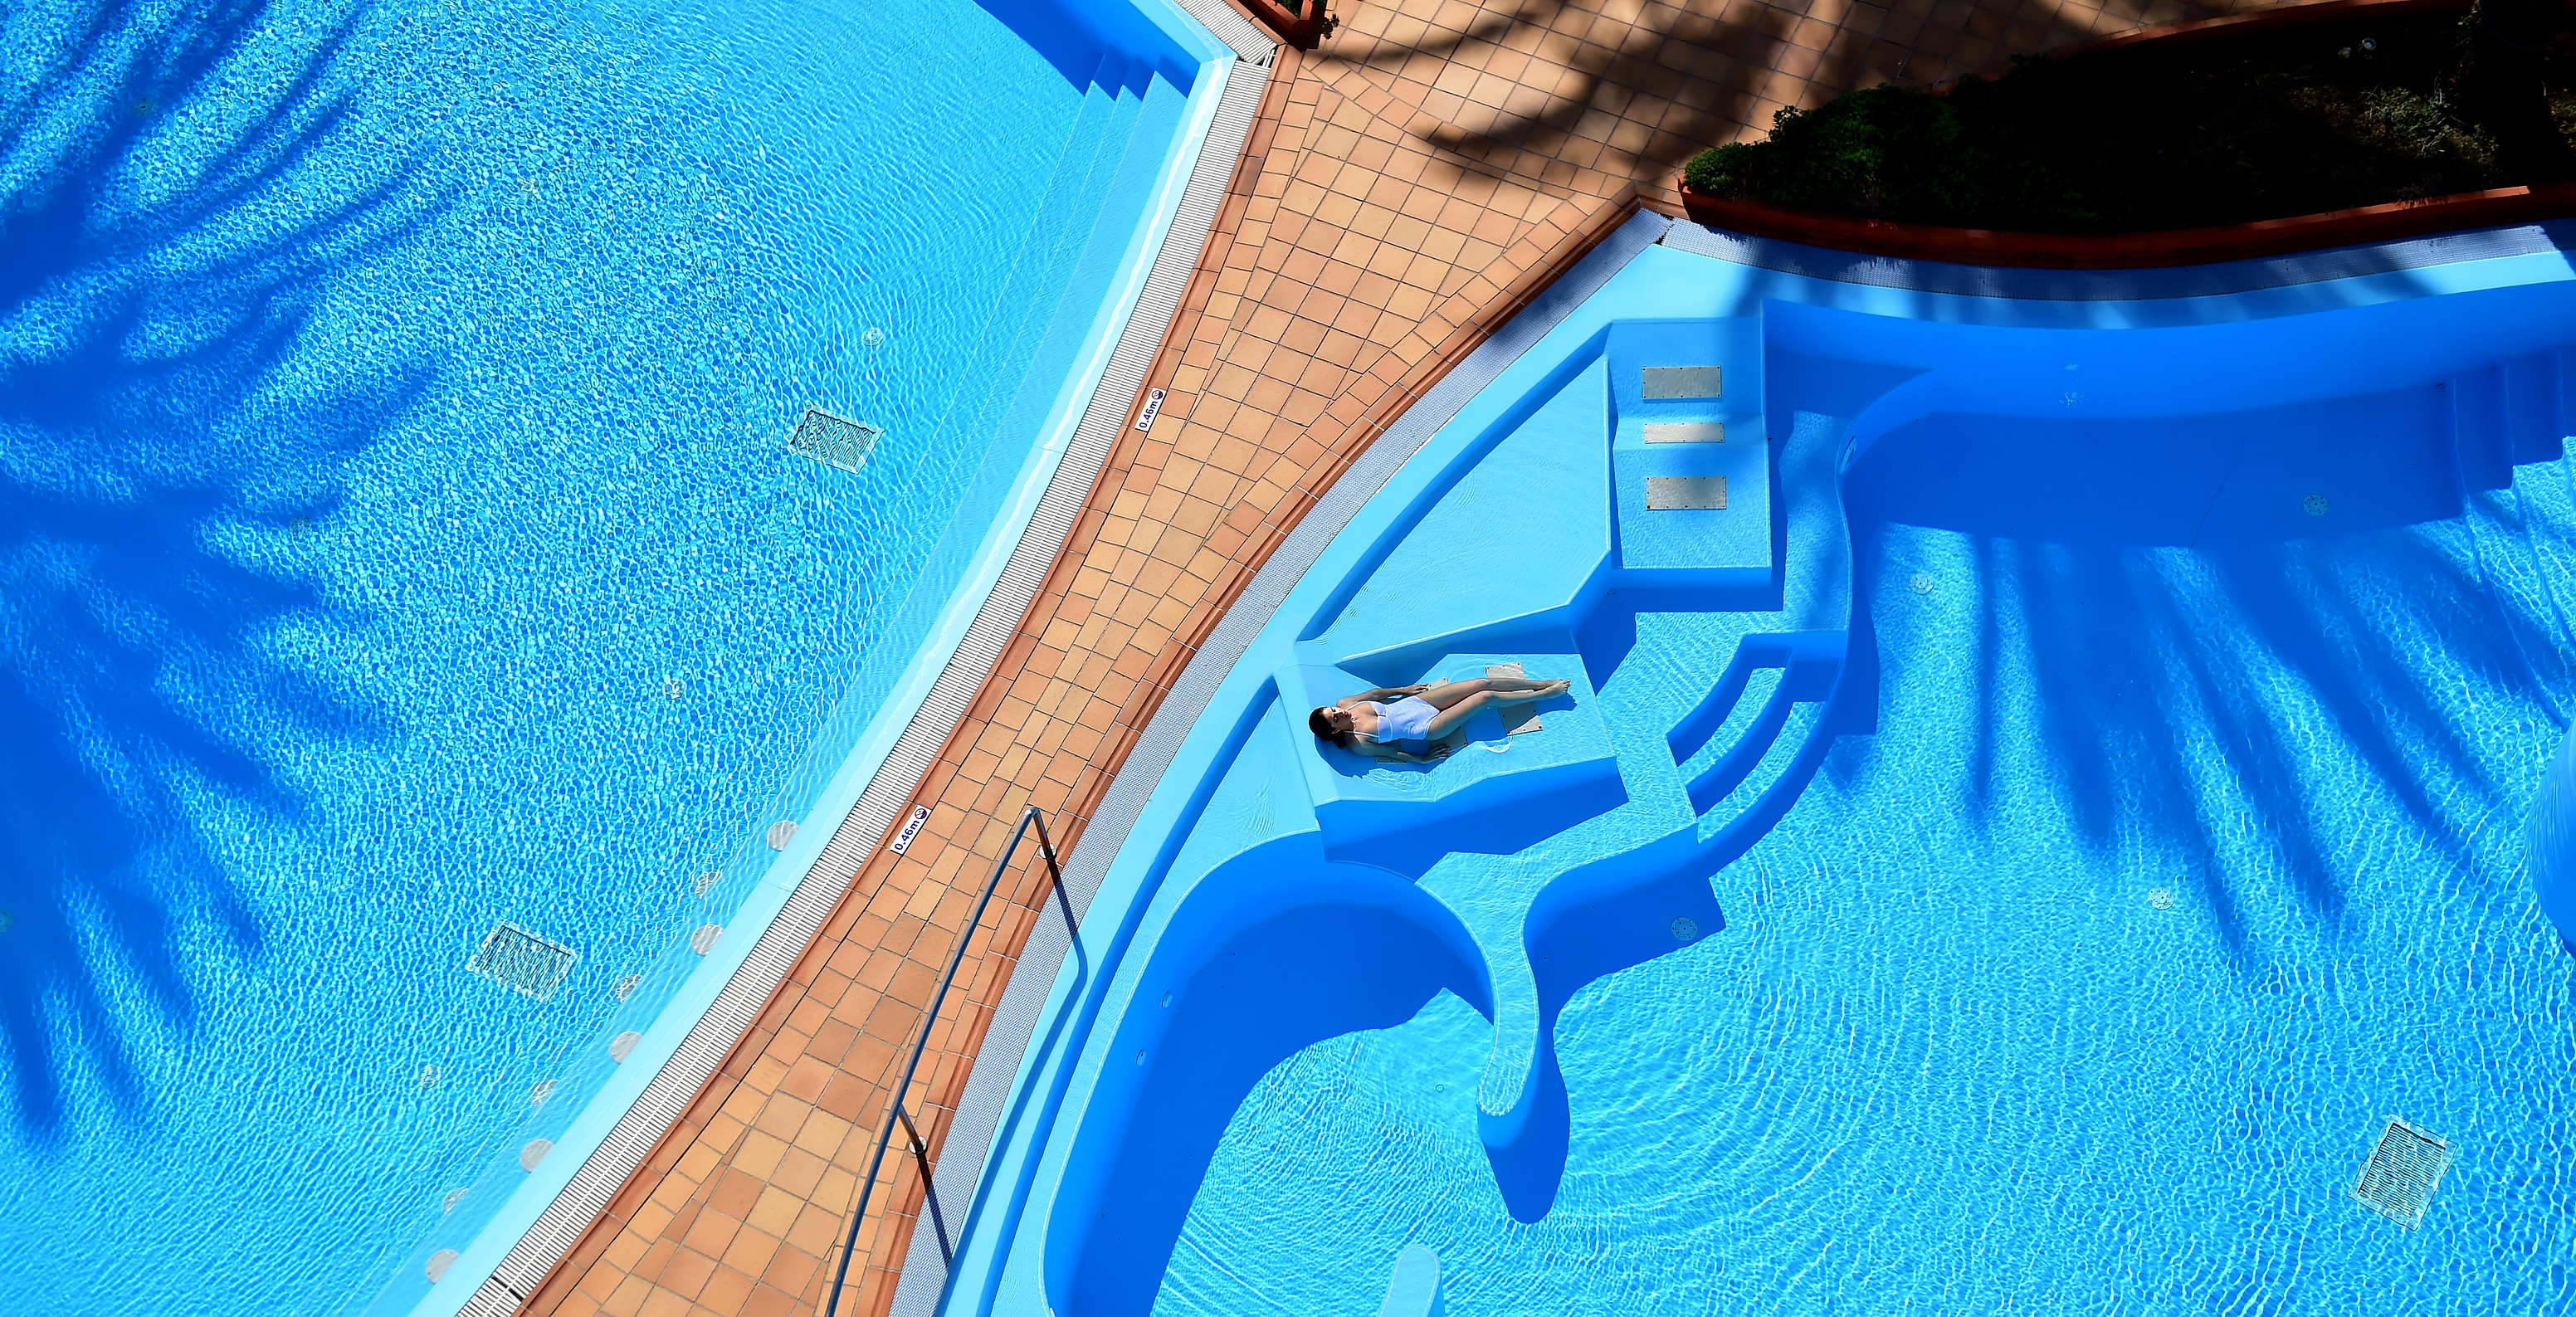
1406,189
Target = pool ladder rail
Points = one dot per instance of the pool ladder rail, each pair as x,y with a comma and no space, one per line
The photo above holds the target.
919,1146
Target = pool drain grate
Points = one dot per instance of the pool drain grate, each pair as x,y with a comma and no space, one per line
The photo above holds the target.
517,959
834,440
2398,1180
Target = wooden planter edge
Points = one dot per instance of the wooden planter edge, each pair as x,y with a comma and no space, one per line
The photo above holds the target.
1299,30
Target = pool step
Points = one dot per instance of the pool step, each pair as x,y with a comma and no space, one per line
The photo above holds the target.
2506,419
1726,715
1029,321
2511,413
1776,681
1767,716
1691,465
1756,776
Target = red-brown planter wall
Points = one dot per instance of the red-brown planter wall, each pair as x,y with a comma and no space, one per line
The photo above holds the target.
2120,251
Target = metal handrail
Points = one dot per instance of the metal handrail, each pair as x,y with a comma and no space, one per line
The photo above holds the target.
921,1041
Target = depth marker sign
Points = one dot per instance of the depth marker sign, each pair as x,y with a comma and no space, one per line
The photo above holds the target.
912,828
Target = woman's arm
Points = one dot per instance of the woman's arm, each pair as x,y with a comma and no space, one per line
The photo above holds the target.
1378,749
1381,693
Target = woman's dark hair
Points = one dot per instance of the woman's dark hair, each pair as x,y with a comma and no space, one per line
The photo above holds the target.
1321,725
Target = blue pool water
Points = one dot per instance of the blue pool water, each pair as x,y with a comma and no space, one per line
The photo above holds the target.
2139,722
397,537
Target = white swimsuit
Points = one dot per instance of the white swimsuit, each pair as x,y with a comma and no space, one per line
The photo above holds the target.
1405,724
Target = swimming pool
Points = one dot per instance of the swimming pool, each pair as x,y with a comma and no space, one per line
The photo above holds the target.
2016,854
402,539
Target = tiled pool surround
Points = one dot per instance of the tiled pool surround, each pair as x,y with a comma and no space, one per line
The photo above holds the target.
1096,656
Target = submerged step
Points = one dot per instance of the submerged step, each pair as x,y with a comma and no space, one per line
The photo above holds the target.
1662,382
1685,432
1685,493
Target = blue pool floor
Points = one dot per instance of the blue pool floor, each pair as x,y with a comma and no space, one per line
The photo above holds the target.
398,537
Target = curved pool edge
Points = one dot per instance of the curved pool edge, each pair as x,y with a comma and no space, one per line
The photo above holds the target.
511,1258
1153,799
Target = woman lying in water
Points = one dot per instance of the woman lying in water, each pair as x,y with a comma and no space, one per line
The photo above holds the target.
1414,722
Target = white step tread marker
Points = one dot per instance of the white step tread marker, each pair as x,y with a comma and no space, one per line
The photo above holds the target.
1660,382
1685,493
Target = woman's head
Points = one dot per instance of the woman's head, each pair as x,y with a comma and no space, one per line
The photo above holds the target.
1331,724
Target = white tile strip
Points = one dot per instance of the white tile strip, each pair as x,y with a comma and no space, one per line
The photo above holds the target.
1015,1021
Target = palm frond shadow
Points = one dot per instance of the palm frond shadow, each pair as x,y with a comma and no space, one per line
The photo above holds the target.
1710,117
2193,705
166,430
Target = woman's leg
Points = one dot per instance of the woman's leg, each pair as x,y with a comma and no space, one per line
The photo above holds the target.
1523,692
1449,693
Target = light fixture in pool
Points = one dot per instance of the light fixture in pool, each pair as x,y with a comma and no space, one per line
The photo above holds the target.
872,336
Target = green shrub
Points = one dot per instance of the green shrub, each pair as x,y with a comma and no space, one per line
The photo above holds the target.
2133,140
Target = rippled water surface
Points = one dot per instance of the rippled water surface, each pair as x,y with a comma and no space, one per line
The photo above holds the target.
2084,986
397,537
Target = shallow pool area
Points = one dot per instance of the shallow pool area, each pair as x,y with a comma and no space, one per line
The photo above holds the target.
401,542
2043,784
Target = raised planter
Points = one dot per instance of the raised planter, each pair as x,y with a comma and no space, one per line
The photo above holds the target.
2170,247
1301,30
